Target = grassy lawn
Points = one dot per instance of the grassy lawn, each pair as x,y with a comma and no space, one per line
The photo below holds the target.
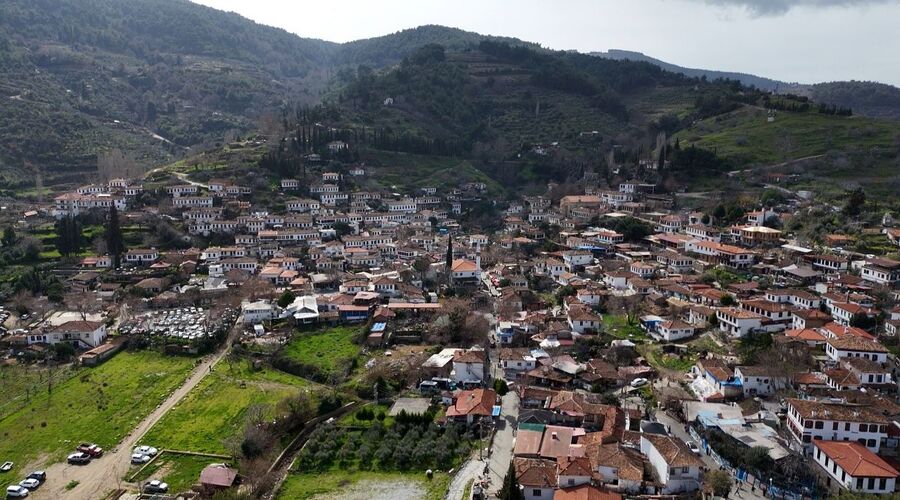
705,343
618,327
22,382
97,404
660,360
214,410
308,485
180,471
323,349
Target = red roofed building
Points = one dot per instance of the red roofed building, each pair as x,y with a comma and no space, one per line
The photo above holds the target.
849,465
471,405
585,492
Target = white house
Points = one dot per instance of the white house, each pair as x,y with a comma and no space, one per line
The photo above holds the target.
673,463
881,271
810,421
758,381
79,332
853,467
857,347
738,322
537,477
674,330
468,366
257,312
463,269
140,256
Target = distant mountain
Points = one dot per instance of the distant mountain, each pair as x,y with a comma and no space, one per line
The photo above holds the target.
759,82
873,99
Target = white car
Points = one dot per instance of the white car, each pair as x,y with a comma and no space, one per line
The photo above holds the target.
30,483
156,486
139,458
694,448
146,450
16,491
639,382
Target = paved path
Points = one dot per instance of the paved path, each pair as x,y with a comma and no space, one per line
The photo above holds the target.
470,471
504,441
107,472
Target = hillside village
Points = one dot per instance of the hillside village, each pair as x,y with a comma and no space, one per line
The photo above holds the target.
601,343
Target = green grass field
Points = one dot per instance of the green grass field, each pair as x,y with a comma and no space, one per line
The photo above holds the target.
324,349
617,326
214,410
301,486
180,471
100,405
662,361
21,383
746,135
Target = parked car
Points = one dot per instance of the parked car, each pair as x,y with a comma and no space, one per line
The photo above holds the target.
639,382
29,483
694,448
79,458
156,486
146,450
91,449
6,467
139,458
16,491
39,475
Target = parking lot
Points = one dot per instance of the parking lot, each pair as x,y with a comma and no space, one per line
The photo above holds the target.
187,323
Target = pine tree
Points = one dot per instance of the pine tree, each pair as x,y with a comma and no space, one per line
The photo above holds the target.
115,245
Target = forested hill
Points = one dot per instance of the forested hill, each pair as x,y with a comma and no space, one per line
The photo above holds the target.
154,78
877,100
867,98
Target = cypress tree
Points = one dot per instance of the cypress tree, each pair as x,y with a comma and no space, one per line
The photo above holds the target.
510,490
115,244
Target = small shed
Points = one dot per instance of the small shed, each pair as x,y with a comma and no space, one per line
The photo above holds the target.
218,477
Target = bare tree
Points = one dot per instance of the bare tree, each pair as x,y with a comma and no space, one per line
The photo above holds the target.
114,163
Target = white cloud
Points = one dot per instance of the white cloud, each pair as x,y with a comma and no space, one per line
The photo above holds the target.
778,7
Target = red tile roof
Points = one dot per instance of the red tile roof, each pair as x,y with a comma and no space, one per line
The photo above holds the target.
856,459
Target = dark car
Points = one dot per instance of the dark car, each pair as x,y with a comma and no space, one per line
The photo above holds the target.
39,475
79,458
91,449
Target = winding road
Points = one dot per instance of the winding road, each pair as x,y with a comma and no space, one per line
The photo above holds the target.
102,475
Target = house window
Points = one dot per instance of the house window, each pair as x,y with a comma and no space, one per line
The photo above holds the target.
819,424
870,443
536,492
863,427
684,470
859,483
882,484
871,483
847,426
834,426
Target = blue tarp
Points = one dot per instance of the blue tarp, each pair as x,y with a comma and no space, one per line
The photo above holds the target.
495,412
378,327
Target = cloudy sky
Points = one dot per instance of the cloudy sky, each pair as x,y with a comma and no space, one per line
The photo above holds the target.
794,40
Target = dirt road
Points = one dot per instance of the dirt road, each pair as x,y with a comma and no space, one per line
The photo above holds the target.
107,472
